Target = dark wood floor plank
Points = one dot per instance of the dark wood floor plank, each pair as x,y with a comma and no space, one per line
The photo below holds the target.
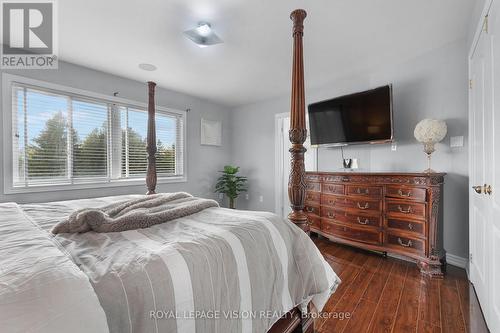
425,327
347,276
361,317
471,310
452,320
379,280
352,296
406,318
387,307
430,307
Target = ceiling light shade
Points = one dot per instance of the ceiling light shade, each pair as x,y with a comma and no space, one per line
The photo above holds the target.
147,67
203,35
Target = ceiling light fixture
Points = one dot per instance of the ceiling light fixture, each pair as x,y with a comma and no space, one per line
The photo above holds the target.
203,35
147,67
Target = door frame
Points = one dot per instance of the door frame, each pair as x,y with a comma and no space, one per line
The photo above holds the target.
279,145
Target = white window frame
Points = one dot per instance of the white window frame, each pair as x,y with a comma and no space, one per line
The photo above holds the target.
9,79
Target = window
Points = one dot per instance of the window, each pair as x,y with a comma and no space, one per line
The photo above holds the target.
64,138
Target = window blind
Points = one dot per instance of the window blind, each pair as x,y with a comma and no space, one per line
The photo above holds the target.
61,138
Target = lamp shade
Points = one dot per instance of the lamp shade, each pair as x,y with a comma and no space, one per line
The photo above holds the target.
430,131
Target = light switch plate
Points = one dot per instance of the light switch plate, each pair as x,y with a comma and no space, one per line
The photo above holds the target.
456,141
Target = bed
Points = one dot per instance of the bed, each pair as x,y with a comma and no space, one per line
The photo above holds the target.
217,270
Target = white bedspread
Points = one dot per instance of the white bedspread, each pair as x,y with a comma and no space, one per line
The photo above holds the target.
41,289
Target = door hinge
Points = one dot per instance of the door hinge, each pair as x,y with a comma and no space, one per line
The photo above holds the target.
470,84
485,24
470,257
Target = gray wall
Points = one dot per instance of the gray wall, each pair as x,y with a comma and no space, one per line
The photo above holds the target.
203,162
430,85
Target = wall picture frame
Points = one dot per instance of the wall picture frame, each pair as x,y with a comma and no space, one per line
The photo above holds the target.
211,132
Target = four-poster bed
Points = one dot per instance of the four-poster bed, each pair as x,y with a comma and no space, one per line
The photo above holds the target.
294,321
250,271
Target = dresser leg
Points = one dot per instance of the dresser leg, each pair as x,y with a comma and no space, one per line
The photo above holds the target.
434,269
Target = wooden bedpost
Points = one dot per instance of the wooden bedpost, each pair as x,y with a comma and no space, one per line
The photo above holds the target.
151,143
298,131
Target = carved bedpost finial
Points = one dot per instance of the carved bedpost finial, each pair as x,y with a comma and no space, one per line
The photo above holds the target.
298,131
151,143
298,16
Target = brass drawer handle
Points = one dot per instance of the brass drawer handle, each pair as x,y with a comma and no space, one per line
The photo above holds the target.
366,206
310,209
409,244
365,191
331,202
330,215
407,211
410,226
400,192
332,189
365,222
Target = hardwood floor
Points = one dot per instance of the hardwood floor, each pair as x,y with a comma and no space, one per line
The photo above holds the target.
380,294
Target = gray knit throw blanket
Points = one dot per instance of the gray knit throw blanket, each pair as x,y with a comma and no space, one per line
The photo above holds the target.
133,214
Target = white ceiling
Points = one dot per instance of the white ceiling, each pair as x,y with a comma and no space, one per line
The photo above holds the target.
341,37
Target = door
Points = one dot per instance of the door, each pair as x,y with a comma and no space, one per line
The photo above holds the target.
492,140
481,98
484,122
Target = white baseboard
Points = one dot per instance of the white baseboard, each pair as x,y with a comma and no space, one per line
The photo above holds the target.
457,261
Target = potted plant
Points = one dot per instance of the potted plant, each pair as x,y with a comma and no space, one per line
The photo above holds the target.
230,184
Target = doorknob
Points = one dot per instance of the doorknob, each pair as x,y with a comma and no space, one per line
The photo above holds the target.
478,189
487,189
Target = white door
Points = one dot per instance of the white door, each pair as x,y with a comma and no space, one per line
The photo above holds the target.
492,140
481,97
484,168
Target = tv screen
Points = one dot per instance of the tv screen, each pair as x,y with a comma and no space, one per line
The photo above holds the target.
364,117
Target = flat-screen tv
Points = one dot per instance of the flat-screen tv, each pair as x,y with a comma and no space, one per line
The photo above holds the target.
364,117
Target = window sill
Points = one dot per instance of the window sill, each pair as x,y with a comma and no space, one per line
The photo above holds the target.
83,186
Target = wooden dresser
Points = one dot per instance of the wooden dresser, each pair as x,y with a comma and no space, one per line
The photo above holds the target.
397,213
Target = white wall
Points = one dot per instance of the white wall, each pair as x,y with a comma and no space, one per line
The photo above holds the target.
203,162
431,85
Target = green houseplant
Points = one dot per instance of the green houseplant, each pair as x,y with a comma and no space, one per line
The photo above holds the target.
230,184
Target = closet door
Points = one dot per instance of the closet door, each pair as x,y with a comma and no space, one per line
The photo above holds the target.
481,98
484,129
492,195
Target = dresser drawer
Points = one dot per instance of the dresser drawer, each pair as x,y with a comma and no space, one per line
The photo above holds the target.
314,221
332,200
408,193
333,214
366,220
364,205
356,234
369,191
332,188
416,227
405,243
398,208
309,209
313,187
313,197
360,204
